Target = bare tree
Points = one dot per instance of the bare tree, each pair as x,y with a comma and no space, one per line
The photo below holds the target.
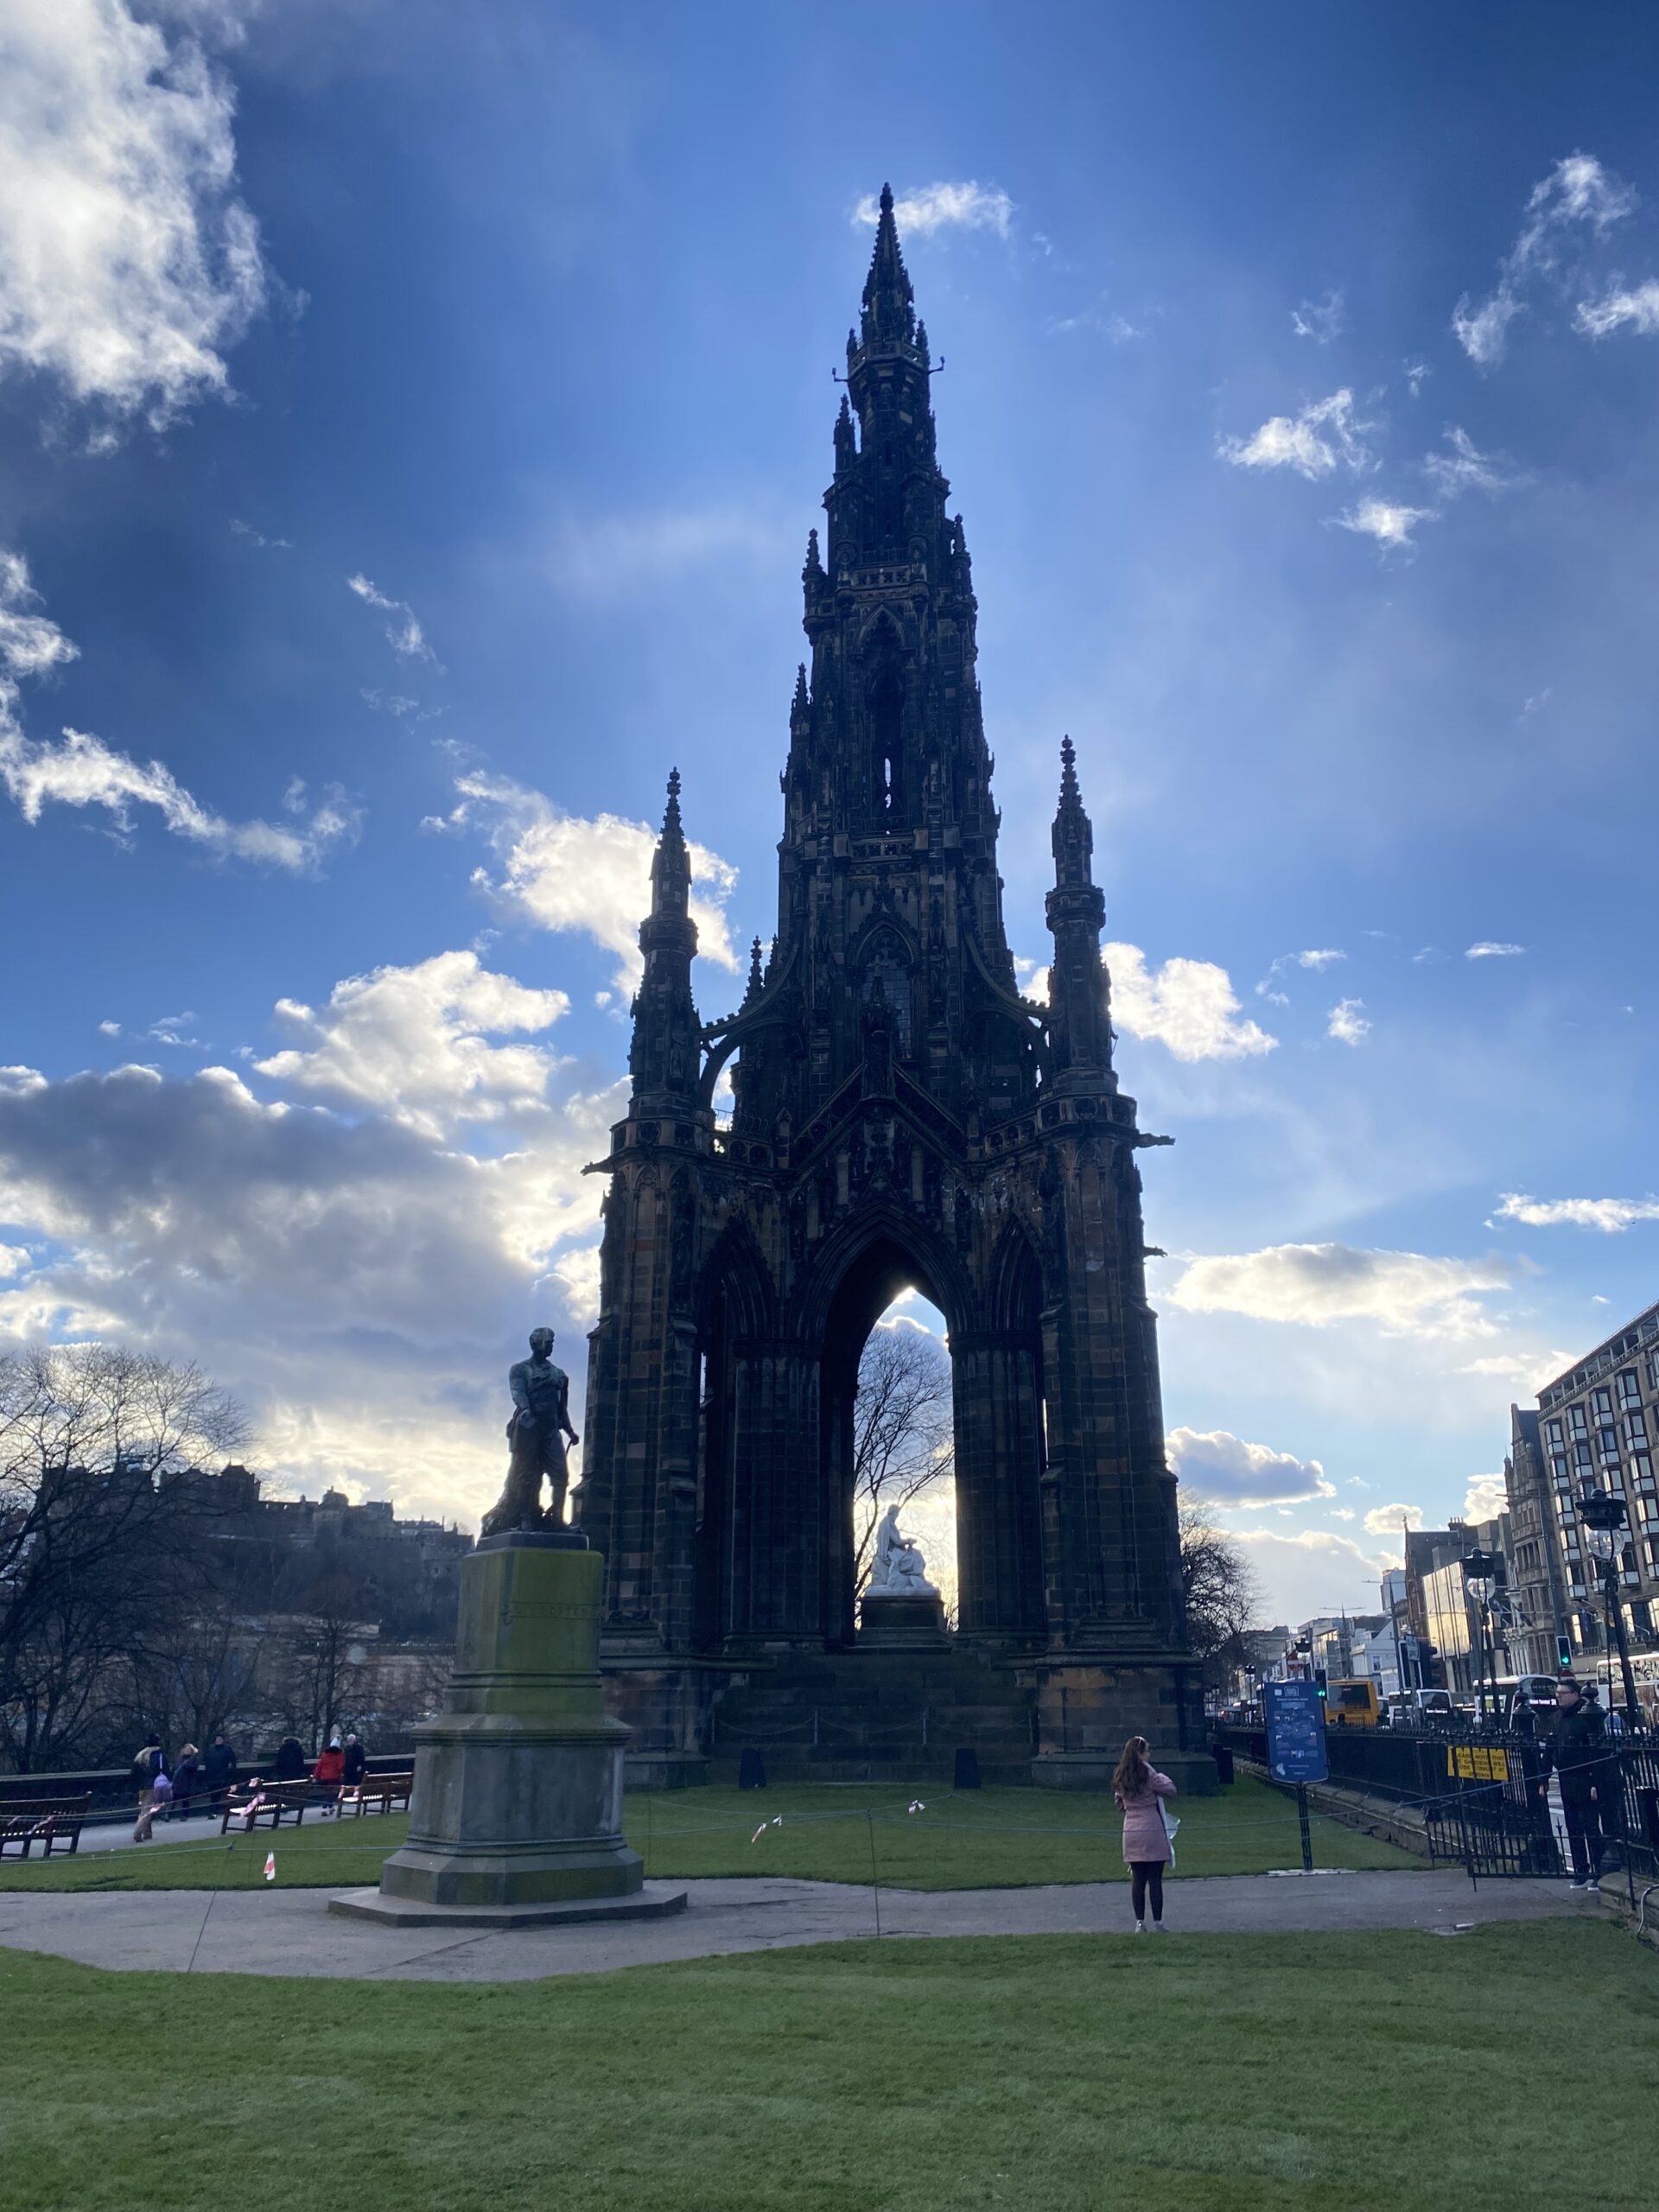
319,1678
102,1531
1221,1592
903,1436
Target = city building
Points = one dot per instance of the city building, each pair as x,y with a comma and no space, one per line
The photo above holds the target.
1541,1615
1439,1607
1596,1427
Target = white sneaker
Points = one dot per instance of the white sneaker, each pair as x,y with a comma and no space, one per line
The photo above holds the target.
1157,1927
1139,1926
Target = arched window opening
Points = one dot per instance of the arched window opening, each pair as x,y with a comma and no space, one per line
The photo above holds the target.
886,973
904,1440
886,703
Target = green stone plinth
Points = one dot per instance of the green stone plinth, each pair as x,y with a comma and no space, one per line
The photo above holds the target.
517,1797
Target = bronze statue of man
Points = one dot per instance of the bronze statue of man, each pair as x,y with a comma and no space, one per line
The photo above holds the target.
537,1433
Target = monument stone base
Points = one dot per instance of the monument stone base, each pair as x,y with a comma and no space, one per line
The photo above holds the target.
516,1813
901,1621
653,1901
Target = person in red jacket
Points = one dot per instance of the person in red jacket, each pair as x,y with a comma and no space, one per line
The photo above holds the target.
327,1774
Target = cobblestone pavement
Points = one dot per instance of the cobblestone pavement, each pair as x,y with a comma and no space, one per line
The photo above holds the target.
291,1932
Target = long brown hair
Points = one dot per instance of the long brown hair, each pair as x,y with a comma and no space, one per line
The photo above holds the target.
1134,1770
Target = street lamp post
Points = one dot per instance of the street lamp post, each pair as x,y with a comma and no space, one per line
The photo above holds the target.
1479,1573
1603,1516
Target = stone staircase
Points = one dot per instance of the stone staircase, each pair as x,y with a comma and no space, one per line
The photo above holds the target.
875,1716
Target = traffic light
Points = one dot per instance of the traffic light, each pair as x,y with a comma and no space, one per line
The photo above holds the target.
1320,1683
1564,1652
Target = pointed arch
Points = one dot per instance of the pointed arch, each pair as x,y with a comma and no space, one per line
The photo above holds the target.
1016,1284
735,1275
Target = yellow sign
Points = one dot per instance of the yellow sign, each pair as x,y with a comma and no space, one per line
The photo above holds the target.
1477,1763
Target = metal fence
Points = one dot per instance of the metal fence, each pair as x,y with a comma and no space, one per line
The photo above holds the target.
1484,1796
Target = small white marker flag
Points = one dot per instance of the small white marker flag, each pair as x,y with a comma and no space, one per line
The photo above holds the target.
270,1866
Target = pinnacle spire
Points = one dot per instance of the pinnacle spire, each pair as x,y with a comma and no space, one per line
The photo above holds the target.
1073,836
671,865
889,300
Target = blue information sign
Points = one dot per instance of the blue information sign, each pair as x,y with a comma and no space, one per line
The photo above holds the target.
1295,1716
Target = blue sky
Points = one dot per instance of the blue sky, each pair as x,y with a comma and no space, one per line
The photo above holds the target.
412,418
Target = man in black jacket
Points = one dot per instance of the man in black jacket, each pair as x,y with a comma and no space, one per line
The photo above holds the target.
218,1770
1577,1751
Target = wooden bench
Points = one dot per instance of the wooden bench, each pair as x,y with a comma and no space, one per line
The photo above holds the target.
253,1802
378,1793
45,1821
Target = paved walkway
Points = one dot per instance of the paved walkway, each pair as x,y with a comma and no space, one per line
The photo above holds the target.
292,1932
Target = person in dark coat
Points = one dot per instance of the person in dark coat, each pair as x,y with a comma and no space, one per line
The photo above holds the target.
290,1761
1578,1752
219,1768
1521,1723
187,1780
356,1763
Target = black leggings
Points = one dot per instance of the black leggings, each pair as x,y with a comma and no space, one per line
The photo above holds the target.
1147,1874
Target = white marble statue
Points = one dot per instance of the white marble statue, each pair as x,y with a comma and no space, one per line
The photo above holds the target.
899,1570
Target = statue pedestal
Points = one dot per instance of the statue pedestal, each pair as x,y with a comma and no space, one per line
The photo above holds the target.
516,1812
901,1620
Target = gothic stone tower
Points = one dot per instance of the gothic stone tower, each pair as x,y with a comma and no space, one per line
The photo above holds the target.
902,1117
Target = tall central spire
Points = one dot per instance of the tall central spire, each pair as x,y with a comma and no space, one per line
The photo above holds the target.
889,301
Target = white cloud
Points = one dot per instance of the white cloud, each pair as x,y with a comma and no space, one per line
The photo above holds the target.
1578,194
1416,374
1390,522
1316,961
1608,1215
411,1042
929,207
31,642
567,872
128,266
1486,1498
1188,1006
1314,442
257,538
82,771
609,556
1313,1570
1406,1293
1637,308
1468,469
1319,319
1487,949
361,1285
1348,1024
403,632
1391,1519
1226,1471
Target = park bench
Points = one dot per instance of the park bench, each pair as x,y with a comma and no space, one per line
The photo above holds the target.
45,1821
253,1802
378,1793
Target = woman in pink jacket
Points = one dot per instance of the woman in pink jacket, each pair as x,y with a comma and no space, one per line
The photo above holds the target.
1140,1790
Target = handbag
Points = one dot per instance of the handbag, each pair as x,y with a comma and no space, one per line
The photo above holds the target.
1172,1828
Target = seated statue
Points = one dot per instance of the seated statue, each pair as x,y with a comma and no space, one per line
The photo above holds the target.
899,1570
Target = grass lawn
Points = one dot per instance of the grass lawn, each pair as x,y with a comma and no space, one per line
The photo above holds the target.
1370,2072
980,1839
